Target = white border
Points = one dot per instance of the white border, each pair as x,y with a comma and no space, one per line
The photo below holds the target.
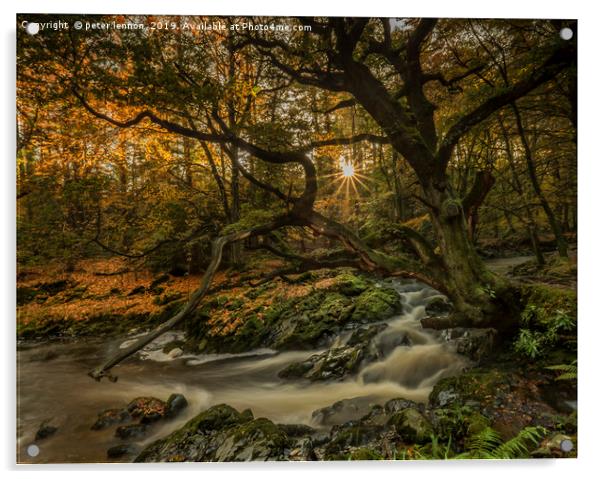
590,233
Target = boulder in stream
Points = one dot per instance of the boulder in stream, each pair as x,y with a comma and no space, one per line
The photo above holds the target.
343,411
147,409
110,417
45,430
175,404
131,431
338,362
221,433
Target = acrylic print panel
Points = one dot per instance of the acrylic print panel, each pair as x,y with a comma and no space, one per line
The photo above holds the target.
300,239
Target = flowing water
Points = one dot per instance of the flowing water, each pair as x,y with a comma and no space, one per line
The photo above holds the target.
53,384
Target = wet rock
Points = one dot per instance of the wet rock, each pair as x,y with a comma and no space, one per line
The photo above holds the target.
442,396
343,411
147,409
437,322
386,344
337,363
175,404
121,450
45,430
256,440
348,436
171,345
297,430
151,417
175,353
131,431
376,417
302,450
362,336
221,433
412,426
298,369
438,306
399,404
110,417
477,344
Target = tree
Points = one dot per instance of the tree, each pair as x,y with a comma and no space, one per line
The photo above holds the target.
420,93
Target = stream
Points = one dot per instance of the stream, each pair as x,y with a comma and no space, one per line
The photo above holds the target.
53,384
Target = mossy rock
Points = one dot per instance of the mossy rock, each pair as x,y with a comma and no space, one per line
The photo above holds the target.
308,322
412,426
350,284
472,385
349,436
256,440
220,433
301,323
376,304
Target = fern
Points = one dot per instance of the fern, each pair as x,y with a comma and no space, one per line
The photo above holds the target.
487,444
520,445
569,371
433,450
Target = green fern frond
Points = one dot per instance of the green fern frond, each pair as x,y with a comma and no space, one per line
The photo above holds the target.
487,444
569,370
520,445
484,441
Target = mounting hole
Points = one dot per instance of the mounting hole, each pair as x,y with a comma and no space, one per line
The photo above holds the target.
566,33
33,450
32,28
566,445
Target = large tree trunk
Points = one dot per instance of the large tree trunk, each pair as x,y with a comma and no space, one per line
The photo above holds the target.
479,296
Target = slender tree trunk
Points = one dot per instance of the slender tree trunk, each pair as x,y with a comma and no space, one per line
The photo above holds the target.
561,242
235,248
